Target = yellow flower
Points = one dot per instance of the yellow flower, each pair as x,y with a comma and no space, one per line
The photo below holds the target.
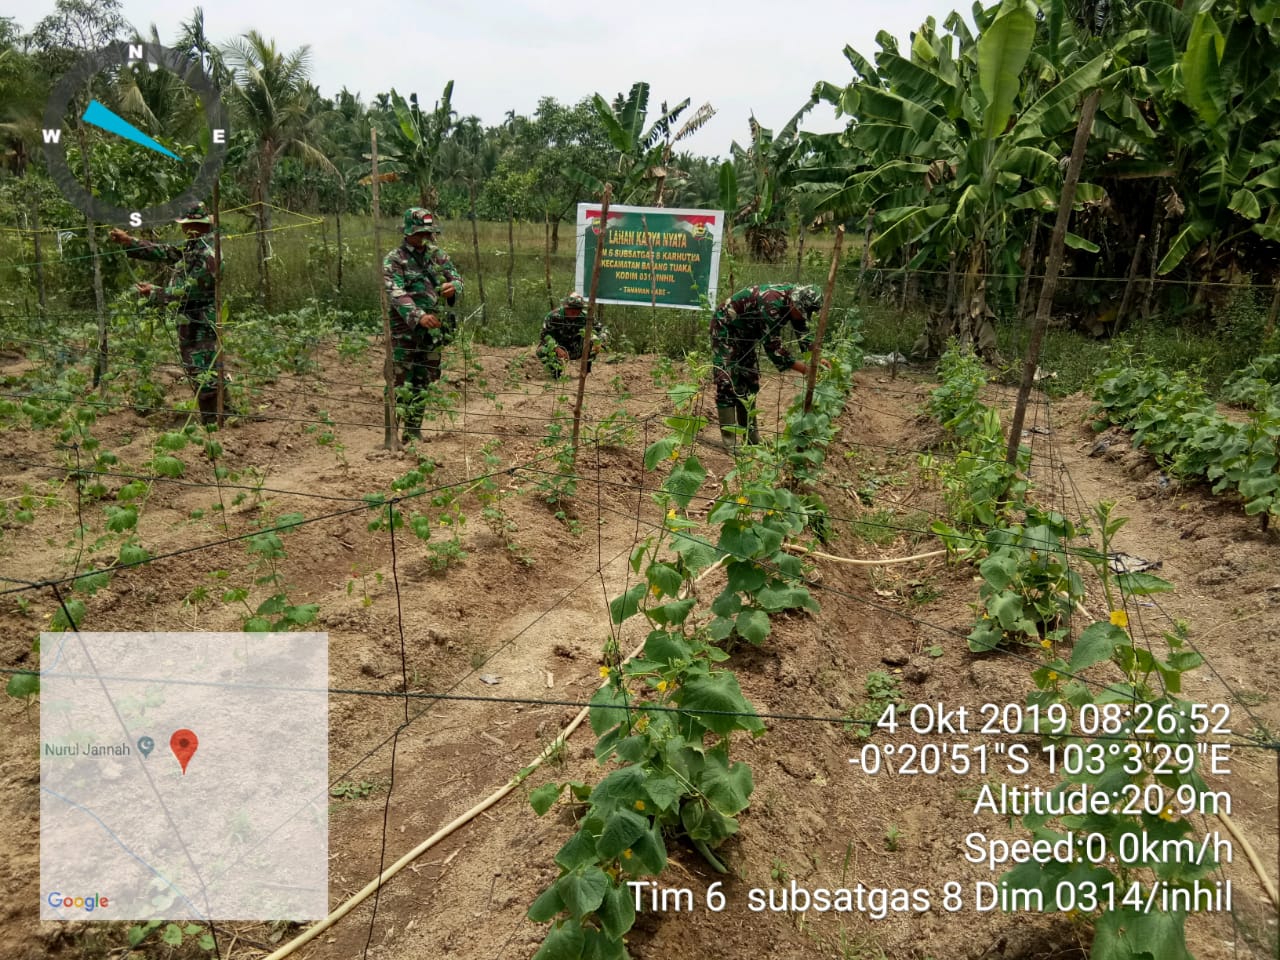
671,514
639,804
604,672
663,686
1119,619
1047,644
743,501
642,724
656,590
1168,815
626,854
675,454
1053,675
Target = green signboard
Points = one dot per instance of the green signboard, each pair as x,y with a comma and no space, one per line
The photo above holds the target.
652,255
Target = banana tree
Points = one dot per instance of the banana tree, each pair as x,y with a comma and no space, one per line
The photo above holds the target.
414,141
1213,75
771,165
953,150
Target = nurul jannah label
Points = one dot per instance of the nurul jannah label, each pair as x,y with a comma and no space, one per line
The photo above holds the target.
655,256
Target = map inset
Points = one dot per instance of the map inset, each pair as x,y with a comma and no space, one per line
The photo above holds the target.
184,776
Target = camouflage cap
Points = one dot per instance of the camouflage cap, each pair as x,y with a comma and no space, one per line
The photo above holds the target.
807,298
574,299
419,220
196,213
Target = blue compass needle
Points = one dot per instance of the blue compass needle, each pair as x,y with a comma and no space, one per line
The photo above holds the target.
100,116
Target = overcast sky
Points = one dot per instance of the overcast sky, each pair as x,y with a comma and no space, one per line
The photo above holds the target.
760,56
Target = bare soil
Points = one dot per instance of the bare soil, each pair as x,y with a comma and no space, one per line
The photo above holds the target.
535,631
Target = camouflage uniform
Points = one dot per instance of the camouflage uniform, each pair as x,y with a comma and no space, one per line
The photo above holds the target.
753,315
561,330
413,278
191,287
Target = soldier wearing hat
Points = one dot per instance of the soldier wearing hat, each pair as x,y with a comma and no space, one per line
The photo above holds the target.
191,287
421,280
752,316
561,337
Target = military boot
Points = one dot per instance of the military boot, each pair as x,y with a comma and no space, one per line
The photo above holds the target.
728,427
208,404
747,421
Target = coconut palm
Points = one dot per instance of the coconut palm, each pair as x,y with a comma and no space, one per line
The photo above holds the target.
276,108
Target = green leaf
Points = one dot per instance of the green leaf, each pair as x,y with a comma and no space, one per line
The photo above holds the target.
1201,77
167,466
752,626
1080,243
580,849
608,709
544,797
23,685
719,691
582,890
618,911
1142,584
564,942
1126,934
546,906
621,830
626,605
75,609
1097,643
727,787
659,451
1003,49
172,935
257,625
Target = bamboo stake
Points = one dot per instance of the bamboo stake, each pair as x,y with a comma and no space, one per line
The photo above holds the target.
511,258
390,432
39,258
1052,266
591,309
815,352
800,252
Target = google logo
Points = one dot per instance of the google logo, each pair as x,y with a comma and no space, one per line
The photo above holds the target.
88,904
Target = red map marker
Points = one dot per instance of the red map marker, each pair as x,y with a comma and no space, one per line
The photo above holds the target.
183,743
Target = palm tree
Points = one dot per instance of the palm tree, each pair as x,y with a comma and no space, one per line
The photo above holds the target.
277,109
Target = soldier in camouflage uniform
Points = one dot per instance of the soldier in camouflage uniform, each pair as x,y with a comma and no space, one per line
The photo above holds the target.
561,337
754,315
419,276
190,286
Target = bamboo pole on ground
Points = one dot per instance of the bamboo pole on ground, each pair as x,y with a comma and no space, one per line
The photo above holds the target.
591,309
390,433
815,352
1053,265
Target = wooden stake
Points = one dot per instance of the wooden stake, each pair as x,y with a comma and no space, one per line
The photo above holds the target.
546,257
217,300
1272,314
1123,310
1052,266
511,258
99,298
800,252
1151,277
39,258
390,429
475,245
591,309
815,352
865,265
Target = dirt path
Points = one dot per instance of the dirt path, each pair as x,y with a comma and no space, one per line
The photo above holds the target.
536,631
